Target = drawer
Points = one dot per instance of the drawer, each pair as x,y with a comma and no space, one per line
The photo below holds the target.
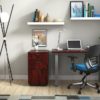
43,58
37,56
38,77
38,65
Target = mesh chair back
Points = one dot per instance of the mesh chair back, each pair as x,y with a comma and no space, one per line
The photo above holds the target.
94,51
92,59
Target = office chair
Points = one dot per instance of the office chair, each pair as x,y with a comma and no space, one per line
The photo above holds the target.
91,65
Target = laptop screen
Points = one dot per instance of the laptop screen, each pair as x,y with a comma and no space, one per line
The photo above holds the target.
74,44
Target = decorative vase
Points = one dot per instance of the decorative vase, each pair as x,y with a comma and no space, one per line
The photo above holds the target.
36,47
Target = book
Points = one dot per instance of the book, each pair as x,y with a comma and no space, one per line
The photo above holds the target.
90,10
86,9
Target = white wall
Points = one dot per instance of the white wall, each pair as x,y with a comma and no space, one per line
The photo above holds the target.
19,35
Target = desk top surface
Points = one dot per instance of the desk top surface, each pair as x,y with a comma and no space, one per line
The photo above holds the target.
68,51
40,51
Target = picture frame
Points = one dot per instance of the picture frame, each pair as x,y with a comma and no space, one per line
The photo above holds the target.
39,37
76,9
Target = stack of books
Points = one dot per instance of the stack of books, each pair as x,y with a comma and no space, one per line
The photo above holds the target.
89,10
39,17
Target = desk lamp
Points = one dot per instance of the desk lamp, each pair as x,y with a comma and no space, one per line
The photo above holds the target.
58,44
5,18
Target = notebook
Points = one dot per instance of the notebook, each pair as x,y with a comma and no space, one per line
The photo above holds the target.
74,45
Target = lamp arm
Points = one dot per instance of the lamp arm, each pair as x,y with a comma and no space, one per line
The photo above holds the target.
58,39
9,19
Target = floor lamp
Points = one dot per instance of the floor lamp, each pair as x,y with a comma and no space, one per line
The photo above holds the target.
5,18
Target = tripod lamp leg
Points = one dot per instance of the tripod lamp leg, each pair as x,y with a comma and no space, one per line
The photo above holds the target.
9,67
1,48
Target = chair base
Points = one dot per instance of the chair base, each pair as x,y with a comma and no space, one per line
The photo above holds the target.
82,84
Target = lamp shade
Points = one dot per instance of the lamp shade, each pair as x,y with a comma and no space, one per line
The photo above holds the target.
4,17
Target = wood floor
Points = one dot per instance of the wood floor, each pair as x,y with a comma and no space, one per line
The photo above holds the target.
21,87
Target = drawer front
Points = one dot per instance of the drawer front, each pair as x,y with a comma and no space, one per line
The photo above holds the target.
38,60
38,77
37,65
37,56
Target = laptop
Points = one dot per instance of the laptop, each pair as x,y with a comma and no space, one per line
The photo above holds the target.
74,45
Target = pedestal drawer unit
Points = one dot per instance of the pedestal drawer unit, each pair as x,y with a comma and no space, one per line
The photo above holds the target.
38,67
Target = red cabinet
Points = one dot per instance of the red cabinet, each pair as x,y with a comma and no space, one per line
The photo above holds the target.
38,67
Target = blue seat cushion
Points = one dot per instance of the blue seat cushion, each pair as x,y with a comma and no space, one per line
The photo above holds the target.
83,67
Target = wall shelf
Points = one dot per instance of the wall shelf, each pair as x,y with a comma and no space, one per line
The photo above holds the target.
45,23
85,18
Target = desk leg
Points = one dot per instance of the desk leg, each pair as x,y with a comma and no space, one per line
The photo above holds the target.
99,70
56,69
99,76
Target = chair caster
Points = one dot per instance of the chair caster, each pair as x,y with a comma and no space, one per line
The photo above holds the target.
79,92
97,86
98,91
69,86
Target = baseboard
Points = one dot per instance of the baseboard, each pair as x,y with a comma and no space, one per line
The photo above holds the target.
51,77
73,77
14,77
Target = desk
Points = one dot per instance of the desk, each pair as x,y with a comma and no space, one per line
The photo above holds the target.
56,54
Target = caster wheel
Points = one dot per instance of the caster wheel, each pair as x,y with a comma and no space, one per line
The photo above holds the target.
98,91
97,86
69,86
79,92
